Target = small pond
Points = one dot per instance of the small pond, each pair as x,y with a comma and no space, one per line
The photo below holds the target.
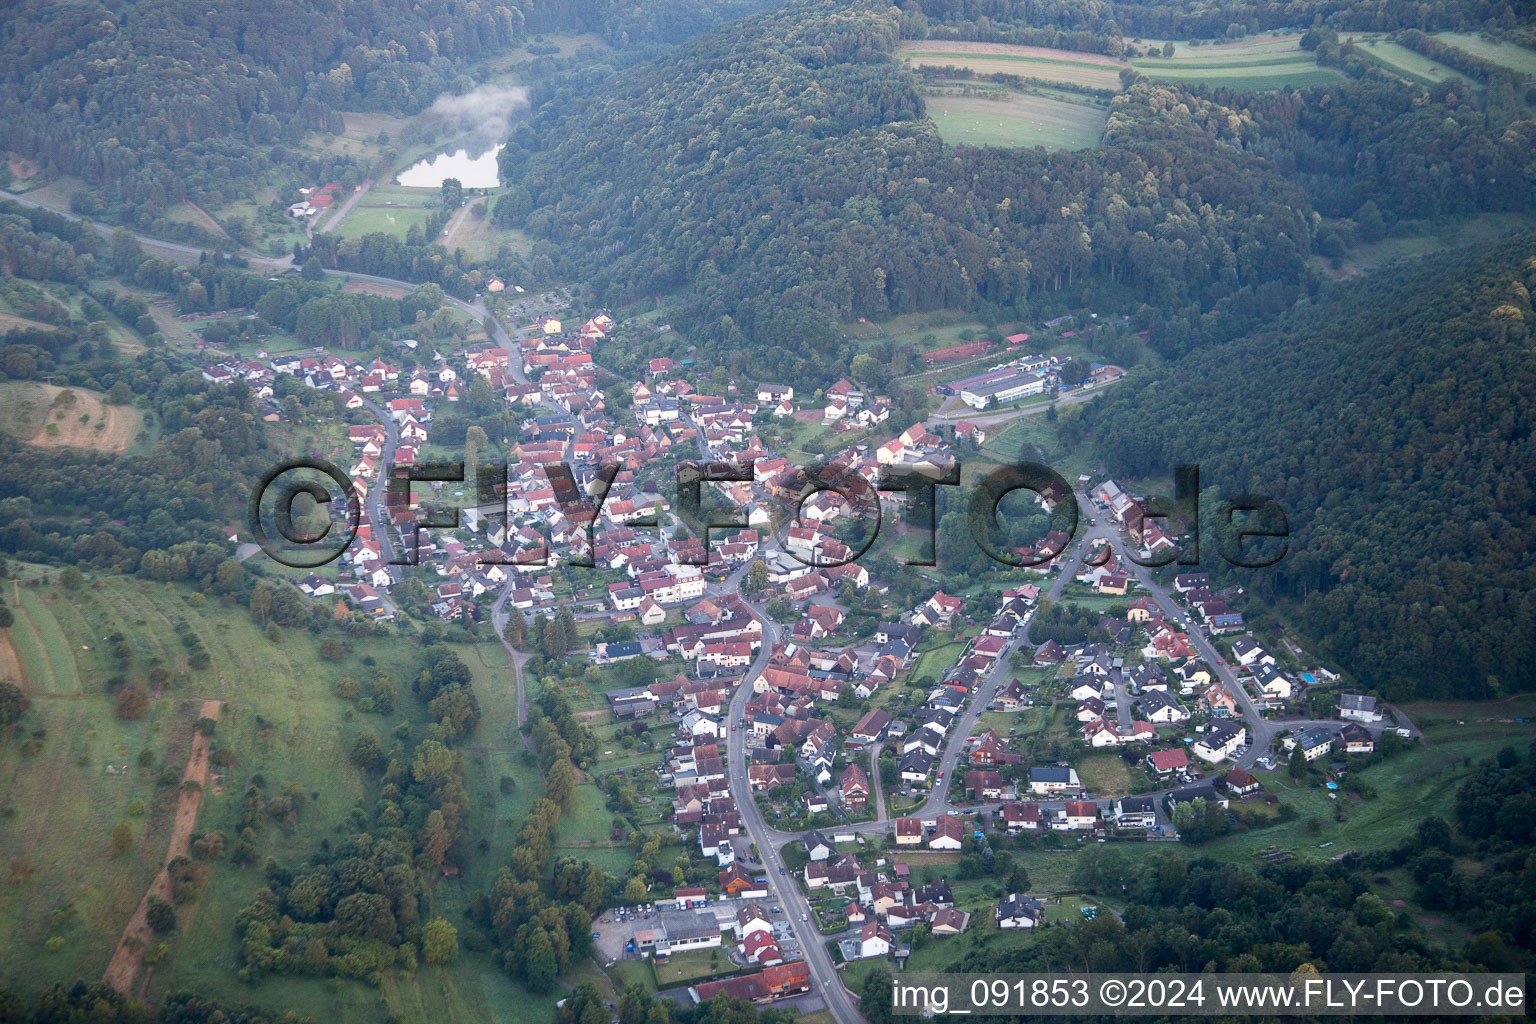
473,170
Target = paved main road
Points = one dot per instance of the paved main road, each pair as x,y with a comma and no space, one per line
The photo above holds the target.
781,883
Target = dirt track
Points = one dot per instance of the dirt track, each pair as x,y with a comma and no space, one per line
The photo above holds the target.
127,957
451,233
10,664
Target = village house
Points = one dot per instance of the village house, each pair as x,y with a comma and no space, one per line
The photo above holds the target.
1052,780
853,788
1020,911
1359,708
1220,741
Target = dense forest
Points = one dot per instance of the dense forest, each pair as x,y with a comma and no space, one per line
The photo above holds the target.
1391,419
153,101
828,197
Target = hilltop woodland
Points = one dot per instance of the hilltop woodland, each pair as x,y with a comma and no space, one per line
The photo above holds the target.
1411,552
150,102
826,198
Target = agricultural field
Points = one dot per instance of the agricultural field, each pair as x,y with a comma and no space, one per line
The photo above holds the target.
1509,55
43,415
1092,70
1019,119
1410,64
1261,63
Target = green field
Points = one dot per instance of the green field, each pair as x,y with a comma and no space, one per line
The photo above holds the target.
60,662
1483,228
1408,788
390,217
1405,62
1516,58
1261,63
1092,70
282,720
1021,119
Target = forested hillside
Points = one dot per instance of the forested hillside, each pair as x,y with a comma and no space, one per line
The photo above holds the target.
1392,420
779,175
791,185
153,101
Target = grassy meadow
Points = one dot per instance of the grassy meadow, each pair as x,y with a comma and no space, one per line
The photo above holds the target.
1410,64
1510,55
282,720
1019,119
1259,63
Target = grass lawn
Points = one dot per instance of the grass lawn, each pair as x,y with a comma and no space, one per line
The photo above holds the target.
366,218
1108,604
1020,119
692,965
1106,775
932,662
624,973
1070,66
1069,909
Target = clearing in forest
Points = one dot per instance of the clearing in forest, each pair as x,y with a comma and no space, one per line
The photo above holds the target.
49,416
